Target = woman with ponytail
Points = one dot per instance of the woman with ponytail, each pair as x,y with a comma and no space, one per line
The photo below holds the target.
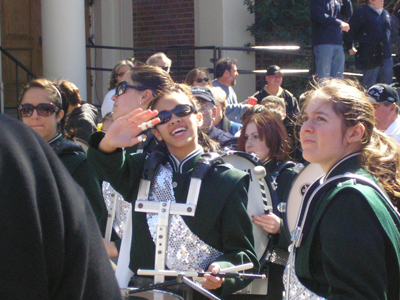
220,231
41,109
350,246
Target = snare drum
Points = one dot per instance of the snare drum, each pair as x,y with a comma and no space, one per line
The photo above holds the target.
149,295
261,196
306,175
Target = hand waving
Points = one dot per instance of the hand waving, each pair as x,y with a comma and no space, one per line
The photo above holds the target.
124,131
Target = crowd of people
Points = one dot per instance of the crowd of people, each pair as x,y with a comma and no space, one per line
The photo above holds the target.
161,142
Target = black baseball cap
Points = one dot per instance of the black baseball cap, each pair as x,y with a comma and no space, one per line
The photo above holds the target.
274,69
382,92
203,92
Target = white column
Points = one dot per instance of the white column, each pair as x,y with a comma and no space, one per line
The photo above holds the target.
63,35
224,23
112,26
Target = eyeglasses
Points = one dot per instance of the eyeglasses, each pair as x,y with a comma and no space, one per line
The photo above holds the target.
200,80
121,88
43,109
181,110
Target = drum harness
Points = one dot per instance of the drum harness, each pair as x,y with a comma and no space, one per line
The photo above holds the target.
315,191
165,209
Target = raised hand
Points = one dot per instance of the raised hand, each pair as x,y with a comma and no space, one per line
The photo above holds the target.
124,132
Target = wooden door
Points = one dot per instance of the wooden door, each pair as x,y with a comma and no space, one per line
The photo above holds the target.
21,37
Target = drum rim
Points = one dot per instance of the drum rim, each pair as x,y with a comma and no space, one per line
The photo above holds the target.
268,182
157,290
286,196
249,156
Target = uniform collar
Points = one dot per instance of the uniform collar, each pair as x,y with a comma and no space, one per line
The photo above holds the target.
349,163
187,163
55,138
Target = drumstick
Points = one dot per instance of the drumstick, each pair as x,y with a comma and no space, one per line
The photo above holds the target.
192,273
259,173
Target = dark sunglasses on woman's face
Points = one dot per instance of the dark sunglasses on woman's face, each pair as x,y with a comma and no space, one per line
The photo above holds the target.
121,88
181,110
43,109
200,80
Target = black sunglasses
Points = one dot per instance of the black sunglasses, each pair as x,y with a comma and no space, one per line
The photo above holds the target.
200,80
43,109
121,88
181,110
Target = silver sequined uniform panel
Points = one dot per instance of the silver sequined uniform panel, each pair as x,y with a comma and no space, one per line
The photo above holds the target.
297,291
121,210
185,251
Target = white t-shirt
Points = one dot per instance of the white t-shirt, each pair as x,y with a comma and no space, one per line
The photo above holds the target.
108,104
394,130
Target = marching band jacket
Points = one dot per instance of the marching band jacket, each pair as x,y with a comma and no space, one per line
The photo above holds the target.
352,249
74,159
221,219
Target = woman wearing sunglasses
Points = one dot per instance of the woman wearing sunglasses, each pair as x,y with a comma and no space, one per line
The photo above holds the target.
116,75
137,88
350,245
41,110
198,77
220,229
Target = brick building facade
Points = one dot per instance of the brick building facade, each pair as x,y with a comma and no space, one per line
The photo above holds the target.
165,24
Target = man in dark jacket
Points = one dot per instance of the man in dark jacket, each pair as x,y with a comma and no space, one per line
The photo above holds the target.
327,23
370,27
207,107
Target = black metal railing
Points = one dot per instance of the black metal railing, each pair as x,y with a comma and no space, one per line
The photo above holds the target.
179,71
18,65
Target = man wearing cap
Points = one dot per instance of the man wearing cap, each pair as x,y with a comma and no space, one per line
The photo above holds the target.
209,110
385,100
273,87
226,74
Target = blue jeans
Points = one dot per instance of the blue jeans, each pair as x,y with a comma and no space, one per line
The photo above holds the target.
329,61
382,74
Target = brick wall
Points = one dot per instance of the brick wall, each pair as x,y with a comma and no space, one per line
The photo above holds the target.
162,24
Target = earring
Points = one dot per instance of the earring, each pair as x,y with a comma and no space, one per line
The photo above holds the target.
140,102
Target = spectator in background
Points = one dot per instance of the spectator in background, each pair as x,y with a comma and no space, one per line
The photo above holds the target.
115,77
274,79
328,20
81,117
198,77
160,60
221,121
276,103
208,110
385,100
226,74
395,26
370,27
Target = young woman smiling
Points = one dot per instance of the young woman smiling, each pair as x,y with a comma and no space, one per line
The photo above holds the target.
220,225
